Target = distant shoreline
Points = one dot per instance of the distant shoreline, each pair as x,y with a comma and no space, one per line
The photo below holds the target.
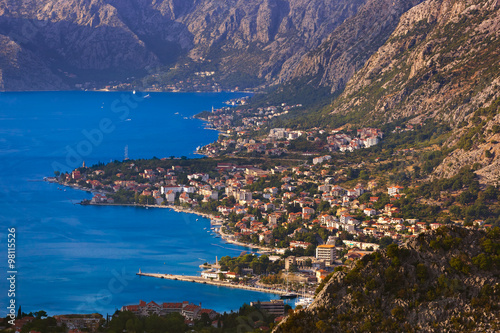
178,209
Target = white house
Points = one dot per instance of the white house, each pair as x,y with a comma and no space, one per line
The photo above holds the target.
370,212
170,196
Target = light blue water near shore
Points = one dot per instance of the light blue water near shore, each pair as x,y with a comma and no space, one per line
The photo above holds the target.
82,259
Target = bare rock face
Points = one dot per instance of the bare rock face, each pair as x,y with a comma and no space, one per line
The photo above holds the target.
440,63
267,36
263,38
436,64
18,66
348,48
73,38
483,154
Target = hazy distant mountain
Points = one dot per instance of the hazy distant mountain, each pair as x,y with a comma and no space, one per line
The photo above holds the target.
54,43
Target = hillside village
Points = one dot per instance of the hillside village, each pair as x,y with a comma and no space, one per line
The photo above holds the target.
300,216
306,199
238,128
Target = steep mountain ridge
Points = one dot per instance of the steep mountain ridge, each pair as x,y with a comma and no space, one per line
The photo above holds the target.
425,68
441,63
18,66
78,40
445,280
71,39
347,49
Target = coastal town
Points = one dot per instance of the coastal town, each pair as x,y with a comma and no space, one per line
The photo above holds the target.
305,203
238,128
306,217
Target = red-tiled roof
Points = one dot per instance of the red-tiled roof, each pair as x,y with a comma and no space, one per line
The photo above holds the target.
153,303
132,307
191,307
172,305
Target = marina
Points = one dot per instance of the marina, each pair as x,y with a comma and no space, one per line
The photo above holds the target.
198,279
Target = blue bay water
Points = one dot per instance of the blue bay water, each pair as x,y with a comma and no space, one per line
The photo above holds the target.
81,259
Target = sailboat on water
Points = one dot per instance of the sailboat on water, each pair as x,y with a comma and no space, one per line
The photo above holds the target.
288,295
303,300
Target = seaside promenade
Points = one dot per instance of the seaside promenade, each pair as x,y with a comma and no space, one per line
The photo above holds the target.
198,279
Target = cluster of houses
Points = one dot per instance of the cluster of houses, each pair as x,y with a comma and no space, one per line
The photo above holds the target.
270,202
237,124
366,138
257,213
279,139
377,223
406,128
189,311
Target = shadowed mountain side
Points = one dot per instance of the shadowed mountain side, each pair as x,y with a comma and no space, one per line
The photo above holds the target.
347,49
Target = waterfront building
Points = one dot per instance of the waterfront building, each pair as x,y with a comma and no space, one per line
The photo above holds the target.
274,307
189,310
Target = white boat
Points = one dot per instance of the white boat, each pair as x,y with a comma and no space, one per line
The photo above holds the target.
304,301
288,295
147,96
133,92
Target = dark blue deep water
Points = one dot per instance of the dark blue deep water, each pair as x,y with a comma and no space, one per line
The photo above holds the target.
80,259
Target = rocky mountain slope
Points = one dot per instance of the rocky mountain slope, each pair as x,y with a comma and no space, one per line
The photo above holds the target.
347,49
69,39
441,63
79,40
446,280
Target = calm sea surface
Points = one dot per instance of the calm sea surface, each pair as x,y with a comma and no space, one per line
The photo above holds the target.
80,259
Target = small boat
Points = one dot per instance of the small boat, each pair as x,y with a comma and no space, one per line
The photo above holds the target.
133,92
288,296
304,301
176,113
147,96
